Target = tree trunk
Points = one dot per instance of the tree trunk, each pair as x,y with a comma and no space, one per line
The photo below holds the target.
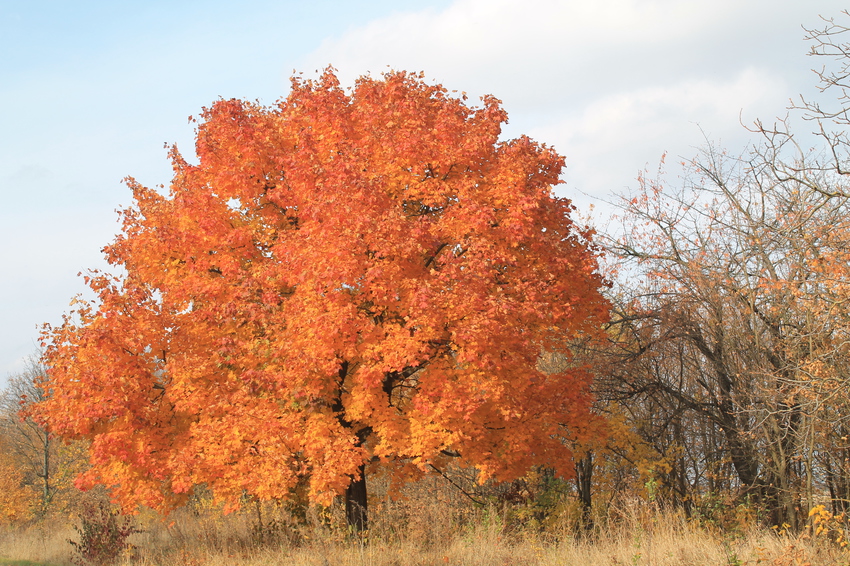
584,482
356,503
45,474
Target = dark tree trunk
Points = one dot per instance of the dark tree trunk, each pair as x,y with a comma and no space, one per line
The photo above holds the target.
356,502
584,482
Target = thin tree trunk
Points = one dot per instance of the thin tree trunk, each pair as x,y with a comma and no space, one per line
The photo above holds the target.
45,501
261,530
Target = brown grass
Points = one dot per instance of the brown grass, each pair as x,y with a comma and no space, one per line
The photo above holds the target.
434,528
668,543
668,540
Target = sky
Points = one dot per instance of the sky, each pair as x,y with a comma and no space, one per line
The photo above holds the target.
91,91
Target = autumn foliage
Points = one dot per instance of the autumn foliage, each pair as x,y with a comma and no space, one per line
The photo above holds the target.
349,278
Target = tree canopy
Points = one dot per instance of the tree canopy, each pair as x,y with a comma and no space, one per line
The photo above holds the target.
346,278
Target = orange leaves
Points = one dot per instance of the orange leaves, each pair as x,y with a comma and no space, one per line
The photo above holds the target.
345,275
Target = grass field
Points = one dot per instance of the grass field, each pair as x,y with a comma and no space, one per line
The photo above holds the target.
435,536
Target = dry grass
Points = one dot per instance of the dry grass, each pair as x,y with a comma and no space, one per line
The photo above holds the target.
668,541
46,542
434,529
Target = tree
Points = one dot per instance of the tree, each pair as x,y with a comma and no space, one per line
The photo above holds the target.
29,441
733,316
345,279
740,320
44,467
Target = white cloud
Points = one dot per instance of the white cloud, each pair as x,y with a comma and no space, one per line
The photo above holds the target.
536,52
491,31
608,141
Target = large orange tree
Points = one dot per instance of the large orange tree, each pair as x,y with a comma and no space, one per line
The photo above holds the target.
348,278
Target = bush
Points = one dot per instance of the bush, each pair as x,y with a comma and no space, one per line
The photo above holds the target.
103,537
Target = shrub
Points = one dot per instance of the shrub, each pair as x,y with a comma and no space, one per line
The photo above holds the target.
103,536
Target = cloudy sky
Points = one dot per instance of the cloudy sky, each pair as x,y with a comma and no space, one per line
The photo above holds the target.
91,90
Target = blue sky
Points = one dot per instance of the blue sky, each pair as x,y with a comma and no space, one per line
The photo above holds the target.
90,91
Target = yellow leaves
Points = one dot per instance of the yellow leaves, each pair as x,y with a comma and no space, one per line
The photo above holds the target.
17,500
828,526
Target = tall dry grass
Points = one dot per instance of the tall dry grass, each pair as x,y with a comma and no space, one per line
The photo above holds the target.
434,526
